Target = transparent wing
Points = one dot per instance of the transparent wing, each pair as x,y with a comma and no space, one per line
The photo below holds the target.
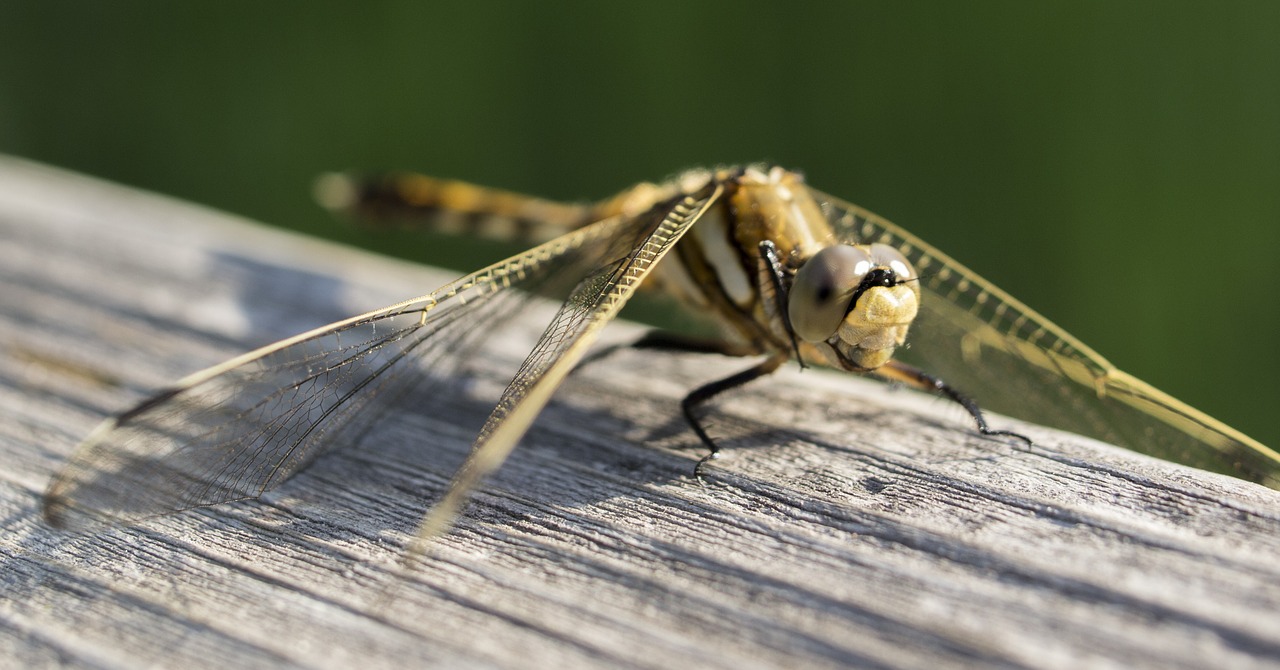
235,430
592,304
1012,360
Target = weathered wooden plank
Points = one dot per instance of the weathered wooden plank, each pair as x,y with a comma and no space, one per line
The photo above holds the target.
847,525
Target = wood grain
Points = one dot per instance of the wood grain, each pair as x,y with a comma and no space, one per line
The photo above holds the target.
847,524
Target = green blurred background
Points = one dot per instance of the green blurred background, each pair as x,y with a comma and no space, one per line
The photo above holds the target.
1114,165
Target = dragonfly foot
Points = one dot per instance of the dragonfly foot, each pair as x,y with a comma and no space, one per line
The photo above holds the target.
1007,433
702,462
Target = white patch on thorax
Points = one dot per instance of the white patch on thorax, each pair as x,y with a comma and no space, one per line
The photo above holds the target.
712,234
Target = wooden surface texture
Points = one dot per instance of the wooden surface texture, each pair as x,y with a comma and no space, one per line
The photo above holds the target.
847,524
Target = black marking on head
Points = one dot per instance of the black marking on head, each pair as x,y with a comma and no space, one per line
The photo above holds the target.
882,277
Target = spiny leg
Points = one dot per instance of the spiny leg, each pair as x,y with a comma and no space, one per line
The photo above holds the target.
678,342
664,340
919,379
778,277
702,394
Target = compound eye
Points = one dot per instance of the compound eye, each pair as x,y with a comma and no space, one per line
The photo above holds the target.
885,256
823,287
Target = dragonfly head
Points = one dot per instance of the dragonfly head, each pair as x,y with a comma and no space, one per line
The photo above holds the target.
858,299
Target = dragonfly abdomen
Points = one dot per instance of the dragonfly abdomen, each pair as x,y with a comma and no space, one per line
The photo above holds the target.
414,201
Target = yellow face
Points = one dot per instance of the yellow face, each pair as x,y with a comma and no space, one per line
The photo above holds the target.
859,300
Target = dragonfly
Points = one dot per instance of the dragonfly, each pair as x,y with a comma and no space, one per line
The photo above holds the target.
784,271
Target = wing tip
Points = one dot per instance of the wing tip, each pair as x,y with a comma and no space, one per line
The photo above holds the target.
55,509
60,512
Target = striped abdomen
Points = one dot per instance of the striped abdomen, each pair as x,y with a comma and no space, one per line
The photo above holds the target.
451,207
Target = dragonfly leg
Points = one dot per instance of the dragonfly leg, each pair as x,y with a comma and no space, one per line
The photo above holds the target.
702,394
668,341
916,378
778,277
